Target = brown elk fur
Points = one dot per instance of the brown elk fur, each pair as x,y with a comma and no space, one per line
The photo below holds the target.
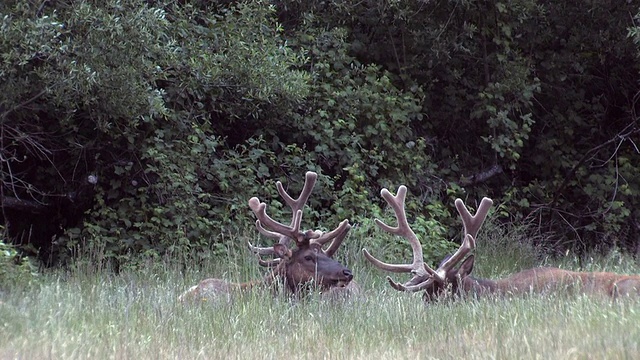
212,289
540,280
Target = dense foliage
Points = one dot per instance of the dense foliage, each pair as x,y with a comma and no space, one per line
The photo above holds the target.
16,271
143,127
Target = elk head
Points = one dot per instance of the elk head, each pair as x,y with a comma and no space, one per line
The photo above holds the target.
452,270
307,262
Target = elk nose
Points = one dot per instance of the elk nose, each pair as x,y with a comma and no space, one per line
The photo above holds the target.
348,274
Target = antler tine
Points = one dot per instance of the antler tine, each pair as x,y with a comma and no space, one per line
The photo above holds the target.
269,263
473,223
282,239
468,245
336,236
258,250
298,204
418,266
411,288
267,233
259,209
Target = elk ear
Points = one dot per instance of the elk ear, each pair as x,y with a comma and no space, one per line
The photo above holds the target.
282,251
466,267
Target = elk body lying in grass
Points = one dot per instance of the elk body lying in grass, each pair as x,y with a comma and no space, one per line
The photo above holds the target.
293,269
453,275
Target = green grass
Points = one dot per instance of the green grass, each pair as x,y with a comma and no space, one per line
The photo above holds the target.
138,318
95,315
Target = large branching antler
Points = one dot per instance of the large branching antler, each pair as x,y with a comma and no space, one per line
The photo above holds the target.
423,274
285,233
417,267
295,205
271,228
471,224
403,229
289,231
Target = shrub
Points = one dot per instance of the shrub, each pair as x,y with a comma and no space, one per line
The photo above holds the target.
16,271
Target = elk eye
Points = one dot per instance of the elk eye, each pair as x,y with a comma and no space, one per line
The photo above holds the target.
308,258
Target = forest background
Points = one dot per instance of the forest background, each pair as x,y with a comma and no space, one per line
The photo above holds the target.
139,129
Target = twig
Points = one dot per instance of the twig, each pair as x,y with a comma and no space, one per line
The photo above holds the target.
626,133
22,104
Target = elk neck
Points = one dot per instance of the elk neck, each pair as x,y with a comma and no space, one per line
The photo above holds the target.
478,286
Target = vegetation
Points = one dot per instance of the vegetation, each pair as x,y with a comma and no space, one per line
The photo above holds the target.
91,313
16,271
138,130
141,321
133,133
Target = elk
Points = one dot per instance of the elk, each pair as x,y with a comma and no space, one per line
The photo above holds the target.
296,269
453,275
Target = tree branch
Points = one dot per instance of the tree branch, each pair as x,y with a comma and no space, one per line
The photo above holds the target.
29,206
481,176
624,134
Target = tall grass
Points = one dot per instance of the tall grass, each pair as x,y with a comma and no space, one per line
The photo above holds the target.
90,314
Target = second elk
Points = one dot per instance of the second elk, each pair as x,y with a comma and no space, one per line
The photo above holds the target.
300,259
453,275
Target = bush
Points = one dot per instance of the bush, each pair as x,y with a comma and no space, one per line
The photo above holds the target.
16,271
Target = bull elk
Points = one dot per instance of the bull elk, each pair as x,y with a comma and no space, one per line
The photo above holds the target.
454,272
294,268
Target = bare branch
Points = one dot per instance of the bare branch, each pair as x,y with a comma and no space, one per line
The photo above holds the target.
29,206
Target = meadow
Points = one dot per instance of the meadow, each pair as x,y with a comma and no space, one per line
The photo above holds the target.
92,314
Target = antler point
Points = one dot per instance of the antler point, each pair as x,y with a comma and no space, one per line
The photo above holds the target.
488,200
254,203
395,284
402,193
